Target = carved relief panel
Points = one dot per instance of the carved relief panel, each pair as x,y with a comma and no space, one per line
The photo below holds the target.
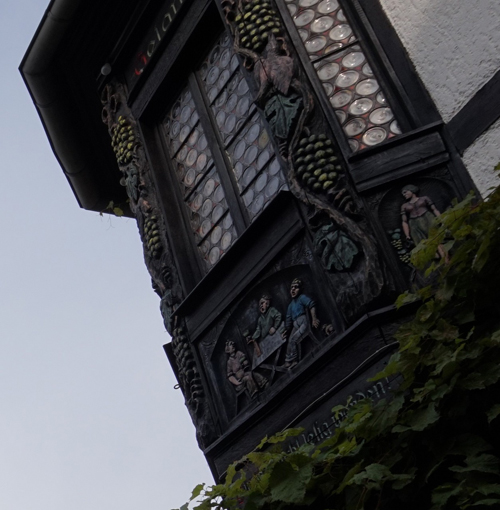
273,330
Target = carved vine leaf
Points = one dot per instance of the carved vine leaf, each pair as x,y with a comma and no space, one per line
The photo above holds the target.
335,248
281,111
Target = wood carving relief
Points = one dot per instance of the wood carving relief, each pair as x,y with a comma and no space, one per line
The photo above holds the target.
132,162
316,174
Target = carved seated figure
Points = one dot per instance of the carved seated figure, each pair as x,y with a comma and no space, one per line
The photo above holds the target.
239,373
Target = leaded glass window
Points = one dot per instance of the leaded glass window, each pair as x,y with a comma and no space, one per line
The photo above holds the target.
347,78
242,141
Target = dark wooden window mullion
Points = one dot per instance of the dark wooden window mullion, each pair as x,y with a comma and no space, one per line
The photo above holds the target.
182,241
313,79
402,106
236,208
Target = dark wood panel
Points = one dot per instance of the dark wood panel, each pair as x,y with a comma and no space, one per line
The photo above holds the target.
261,242
340,365
477,115
412,152
423,110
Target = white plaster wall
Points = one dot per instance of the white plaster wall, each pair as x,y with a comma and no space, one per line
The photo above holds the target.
482,156
454,45
455,48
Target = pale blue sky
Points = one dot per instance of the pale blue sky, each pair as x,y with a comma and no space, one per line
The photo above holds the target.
89,419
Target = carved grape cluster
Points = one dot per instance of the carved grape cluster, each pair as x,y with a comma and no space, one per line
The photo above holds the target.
403,252
256,21
316,164
189,376
122,141
152,235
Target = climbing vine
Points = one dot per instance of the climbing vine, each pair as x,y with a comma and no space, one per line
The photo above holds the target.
436,444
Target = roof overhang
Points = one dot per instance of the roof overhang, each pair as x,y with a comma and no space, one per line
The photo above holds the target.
61,69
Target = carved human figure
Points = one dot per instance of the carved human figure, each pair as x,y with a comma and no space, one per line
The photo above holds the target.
239,373
417,215
268,322
296,321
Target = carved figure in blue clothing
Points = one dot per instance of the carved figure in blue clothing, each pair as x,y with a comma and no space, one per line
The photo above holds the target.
296,321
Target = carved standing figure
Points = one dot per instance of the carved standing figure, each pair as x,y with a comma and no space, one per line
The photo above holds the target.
417,215
239,373
296,321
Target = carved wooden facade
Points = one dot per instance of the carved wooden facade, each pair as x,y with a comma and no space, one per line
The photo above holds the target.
281,159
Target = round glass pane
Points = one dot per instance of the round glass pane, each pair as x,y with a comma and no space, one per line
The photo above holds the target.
212,76
263,158
206,208
353,59
340,32
328,71
191,157
361,106
249,175
243,106
220,118
253,133
263,139
341,16
239,150
307,3
367,70
226,241
209,187
201,162
292,9
354,127
261,182
174,131
258,203
274,167
227,222
225,57
202,143
251,154
381,98
248,197
374,136
333,47
184,133
341,115
367,87
346,79
272,187
315,44
231,102
354,145
394,127
242,87
305,17
304,34
181,155
328,6
322,24
381,116
197,202
217,213
230,123
219,194
341,98
328,89
216,235
205,228
214,255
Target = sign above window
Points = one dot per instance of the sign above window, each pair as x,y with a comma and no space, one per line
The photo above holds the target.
152,40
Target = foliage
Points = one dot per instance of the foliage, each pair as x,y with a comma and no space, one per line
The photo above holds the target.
435,445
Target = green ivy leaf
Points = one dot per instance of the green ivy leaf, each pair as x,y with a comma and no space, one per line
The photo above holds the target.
493,413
